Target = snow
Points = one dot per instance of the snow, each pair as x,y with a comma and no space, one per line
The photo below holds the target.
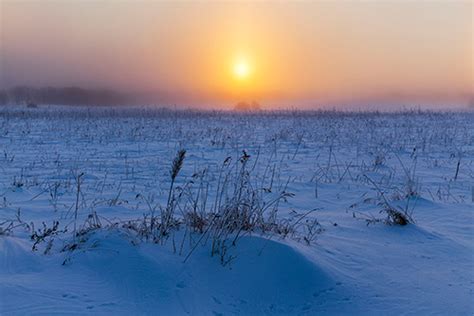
353,266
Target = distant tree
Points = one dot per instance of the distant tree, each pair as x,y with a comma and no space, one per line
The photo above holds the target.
247,106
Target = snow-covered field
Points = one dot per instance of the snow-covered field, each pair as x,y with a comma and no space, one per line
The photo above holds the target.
80,188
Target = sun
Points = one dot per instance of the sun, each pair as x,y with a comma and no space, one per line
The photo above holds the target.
241,69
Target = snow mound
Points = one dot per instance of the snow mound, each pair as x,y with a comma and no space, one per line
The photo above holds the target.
111,275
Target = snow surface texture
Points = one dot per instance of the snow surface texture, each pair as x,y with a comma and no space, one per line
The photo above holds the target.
357,265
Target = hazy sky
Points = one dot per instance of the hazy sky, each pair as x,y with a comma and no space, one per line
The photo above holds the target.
294,52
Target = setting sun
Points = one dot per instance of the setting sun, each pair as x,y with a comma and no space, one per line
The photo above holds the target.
241,69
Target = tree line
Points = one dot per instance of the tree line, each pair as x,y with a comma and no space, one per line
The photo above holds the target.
64,96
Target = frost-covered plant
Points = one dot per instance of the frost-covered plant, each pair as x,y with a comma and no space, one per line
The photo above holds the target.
395,215
45,234
7,226
241,208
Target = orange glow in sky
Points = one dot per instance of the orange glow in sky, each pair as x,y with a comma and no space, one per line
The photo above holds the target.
321,51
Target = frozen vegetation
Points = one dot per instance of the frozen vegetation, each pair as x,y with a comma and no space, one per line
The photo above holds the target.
157,212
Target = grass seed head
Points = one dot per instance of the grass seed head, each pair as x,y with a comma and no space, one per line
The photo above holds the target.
177,163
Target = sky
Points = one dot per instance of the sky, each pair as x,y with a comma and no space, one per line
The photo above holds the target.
304,54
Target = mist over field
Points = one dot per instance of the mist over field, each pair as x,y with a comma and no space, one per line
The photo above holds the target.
75,96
